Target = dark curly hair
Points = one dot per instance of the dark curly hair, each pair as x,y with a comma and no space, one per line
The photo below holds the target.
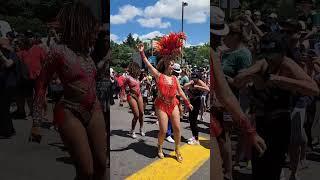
134,69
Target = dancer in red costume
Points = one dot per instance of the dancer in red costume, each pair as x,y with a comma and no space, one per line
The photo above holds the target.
78,115
166,103
134,97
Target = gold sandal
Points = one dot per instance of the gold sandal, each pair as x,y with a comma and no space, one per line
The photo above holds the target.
160,152
178,155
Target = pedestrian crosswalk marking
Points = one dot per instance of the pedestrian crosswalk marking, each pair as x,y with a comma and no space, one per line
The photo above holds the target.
168,168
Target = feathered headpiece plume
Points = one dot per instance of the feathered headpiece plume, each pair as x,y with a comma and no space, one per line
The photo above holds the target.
170,45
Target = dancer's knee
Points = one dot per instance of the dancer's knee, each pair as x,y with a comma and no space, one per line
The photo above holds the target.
176,128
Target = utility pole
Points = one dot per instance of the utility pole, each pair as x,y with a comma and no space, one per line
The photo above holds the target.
183,5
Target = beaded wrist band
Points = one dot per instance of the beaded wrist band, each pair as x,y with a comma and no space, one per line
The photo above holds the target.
142,54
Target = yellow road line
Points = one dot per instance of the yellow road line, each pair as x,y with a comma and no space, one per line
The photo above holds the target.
168,168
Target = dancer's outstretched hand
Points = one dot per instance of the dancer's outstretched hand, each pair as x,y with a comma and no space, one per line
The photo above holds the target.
259,144
190,107
140,47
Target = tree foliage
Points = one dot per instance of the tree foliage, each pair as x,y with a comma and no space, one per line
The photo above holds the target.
23,15
122,53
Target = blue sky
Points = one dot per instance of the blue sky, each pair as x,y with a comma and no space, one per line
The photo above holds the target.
148,18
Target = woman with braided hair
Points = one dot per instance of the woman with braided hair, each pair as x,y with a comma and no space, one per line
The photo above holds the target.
78,114
134,97
166,103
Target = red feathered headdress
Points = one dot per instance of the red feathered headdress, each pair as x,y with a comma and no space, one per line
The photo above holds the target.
170,45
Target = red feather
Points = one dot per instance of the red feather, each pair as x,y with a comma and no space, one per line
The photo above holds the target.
171,44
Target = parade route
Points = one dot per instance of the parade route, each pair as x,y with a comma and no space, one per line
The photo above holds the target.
194,157
137,158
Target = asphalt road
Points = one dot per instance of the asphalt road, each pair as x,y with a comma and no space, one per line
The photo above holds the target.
21,160
131,155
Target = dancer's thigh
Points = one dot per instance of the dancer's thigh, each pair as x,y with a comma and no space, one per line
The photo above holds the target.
74,136
97,138
163,120
134,107
175,118
140,105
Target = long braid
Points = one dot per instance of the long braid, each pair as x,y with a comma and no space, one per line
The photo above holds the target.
78,25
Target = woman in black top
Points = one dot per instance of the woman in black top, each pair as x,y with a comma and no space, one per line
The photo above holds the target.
196,88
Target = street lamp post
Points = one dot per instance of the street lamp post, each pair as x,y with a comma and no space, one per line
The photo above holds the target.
183,5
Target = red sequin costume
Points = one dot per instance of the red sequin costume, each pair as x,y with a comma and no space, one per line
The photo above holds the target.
168,47
77,75
166,100
134,86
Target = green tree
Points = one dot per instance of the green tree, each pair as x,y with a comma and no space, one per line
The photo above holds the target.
121,54
130,41
197,55
30,14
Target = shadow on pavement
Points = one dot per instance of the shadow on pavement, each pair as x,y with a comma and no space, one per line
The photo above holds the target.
204,123
120,132
59,145
151,117
65,160
150,122
241,176
205,143
140,147
170,156
204,130
313,156
183,139
184,120
153,133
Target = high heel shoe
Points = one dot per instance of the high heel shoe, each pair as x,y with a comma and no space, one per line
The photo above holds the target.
178,155
160,152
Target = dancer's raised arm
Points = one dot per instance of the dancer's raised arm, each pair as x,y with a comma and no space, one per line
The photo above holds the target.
152,69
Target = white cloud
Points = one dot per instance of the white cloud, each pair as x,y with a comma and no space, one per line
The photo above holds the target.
135,35
126,13
114,37
151,35
153,22
195,12
188,44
